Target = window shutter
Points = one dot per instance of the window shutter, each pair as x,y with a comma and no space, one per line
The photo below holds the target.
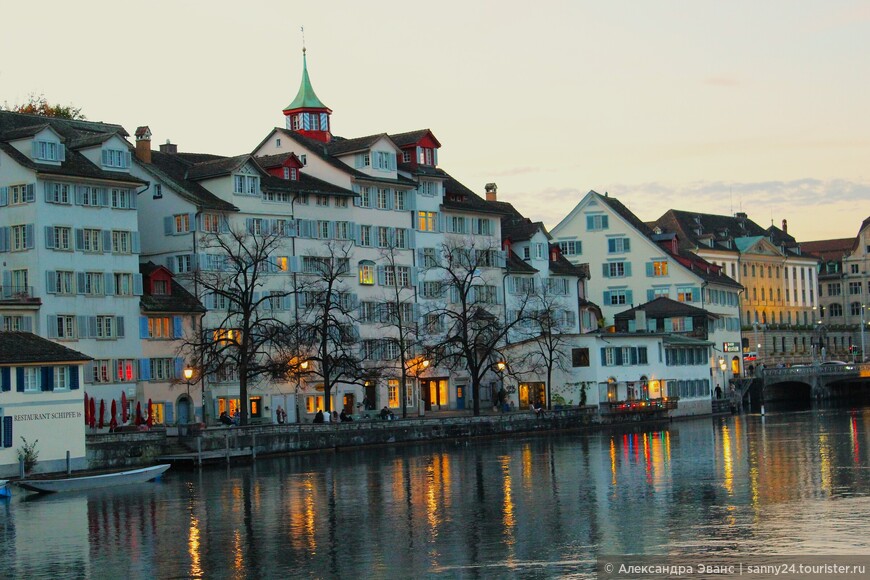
4,196
696,295
119,326
46,189
144,369
61,152
47,378
168,225
80,282
7,431
628,269
617,358
51,282
103,197
51,323
603,356
28,236
607,298
629,297
381,277
605,270
127,160
105,157
6,379
135,246
49,237
107,241
137,284
4,239
92,326
109,283
689,323
669,325
650,272
650,295
605,222
590,225
611,246
89,372
358,161
179,367
80,239
143,327
82,326
78,194
177,328
169,415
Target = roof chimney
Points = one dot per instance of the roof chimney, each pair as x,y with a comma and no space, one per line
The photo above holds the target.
491,192
169,147
785,226
143,144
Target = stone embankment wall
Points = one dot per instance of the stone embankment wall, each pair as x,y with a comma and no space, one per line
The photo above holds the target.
128,449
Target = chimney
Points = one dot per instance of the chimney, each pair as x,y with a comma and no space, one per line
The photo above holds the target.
785,226
554,253
491,192
143,144
169,147
740,215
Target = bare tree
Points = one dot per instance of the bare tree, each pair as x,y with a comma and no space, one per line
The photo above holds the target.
396,312
475,332
235,270
544,334
326,333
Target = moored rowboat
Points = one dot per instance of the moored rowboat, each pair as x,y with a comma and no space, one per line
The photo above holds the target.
4,488
94,481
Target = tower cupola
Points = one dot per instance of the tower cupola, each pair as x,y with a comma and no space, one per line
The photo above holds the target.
306,114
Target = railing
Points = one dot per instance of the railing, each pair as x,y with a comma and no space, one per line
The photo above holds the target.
642,406
818,369
16,293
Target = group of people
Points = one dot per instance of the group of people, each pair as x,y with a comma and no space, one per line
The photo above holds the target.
225,418
334,417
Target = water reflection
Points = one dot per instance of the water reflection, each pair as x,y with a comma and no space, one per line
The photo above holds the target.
548,504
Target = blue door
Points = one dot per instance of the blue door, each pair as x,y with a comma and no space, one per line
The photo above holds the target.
460,397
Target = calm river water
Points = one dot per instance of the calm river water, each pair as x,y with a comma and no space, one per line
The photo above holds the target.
542,506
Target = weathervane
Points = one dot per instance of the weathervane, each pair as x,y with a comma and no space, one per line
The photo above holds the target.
302,29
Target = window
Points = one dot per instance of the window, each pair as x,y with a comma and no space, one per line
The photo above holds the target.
558,286
617,297
384,160
125,370
365,235
428,258
182,223
393,392
570,248
389,276
323,229
66,326
406,156
855,309
57,192
102,371
162,369
579,357
22,237
687,294
160,287
92,240
618,245
32,379
615,269
401,240
485,294
313,403
365,197
367,272
596,222
368,312
105,327
383,237
399,202
383,198
64,282
121,242
123,284
93,283
342,230
48,151
659,268
19,194
121,199
432,289
457,224
855,288
14,323
323,200
183,264
403,276
246,184
521,285
210,222
159,327
426,221
115,158
836,310
60,238
61,378
158,191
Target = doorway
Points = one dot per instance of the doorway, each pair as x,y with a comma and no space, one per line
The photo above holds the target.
184,408
530,393
735,366
460,397
348,403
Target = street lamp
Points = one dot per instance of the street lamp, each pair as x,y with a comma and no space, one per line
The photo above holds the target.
188,374
863,356
298,368
722,368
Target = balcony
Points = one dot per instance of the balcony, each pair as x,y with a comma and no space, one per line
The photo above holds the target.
18,295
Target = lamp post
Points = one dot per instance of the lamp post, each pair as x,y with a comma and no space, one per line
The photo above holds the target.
722,368
420,366
863,356
188,374
298,368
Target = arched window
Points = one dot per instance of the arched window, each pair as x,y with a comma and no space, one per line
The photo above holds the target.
366,272
745,270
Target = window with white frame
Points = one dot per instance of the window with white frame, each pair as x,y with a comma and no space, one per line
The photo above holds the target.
115,158
383,237
182,223
399,200
246,184
597,222
365,196
105,327
367,272
122,242
90,196
389,276
32,379
92,240
57,192
66,326
383,198
123,284
160,327
365,236
403,276
342,230
102,371
61,235
401,238
162,369
618,297
458,225
571,248
615,269
61,377
158,191
427,221
48,150
323,200
64,282
121,198
432,289
430,258
618,245
93,284
19,194
393,392
124,368
340,201
20,238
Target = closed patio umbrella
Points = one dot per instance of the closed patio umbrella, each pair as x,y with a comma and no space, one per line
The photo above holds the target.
92,412
124,408
138,413
150,418
113,423
102,413
87,411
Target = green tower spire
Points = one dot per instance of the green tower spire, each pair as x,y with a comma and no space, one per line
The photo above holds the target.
306,97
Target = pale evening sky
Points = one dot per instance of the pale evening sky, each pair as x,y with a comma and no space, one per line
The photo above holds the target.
708,106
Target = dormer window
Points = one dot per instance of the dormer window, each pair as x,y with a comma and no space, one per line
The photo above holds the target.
48,151
277,142
116,158
304,159
406,157
160,287
427,156
291,173
385,160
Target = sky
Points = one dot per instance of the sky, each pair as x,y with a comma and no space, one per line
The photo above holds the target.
707,106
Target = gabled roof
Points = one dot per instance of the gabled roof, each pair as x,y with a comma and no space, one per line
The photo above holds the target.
23,132
342,146
517,265
67,128
172,168
180,300
305,98
75,165
277,160
563,267
626,214
90,140
413,137
663,307
691,226
743,244
28,348
460,198
218,167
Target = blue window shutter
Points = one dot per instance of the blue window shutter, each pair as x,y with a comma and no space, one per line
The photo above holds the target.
19,379
605,270
92,326
6,379
179,367
590,222
47,378
381,277
50,282
119,327
689,323
324,122
626,244
105,157
127,158
107,241
650,295
629,297
137,284
109,284
177,329
144,369
606,297
51,323
80,239
617,358
168,225
4,239
4,196
669,325
73,377
650,272
80,282
603,356
7,431
49,237
696,295
28,236
611,245
604,222
168,412
29,195
136,246
61,152
628,268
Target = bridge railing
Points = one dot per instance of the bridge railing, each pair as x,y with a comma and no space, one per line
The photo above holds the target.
847,369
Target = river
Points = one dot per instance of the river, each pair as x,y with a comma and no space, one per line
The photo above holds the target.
536,506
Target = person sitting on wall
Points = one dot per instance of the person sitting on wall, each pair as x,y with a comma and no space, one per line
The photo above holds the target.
225,419
539,409
344,417
318,418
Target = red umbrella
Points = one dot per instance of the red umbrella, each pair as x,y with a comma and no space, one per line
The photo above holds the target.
87,411
102,413
138,413
150,419
92,413
124,410
113,424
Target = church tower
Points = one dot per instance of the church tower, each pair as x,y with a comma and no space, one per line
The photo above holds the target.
307,115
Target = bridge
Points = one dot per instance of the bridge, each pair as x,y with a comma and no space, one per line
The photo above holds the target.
806,382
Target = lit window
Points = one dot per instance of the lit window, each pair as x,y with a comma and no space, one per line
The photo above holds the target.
367,273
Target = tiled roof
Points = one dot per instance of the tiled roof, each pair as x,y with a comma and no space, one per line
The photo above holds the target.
22,132
412,137
180,300
424,170
216,167
708,272
67,128
829,250
75,165
563,267
172,169
277,160
663,307
690,226
515,264
342,146
626,214
28,348
90,140
520,230
305,184
460,198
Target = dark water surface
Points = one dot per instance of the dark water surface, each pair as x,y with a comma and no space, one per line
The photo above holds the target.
795,482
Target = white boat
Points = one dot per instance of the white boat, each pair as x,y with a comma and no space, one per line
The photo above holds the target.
78,483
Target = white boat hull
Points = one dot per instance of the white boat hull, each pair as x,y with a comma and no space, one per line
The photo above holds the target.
94,481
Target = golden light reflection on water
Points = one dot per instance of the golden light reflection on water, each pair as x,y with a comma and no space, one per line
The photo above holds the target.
825,462
432,514
527,456
508,518
728,460
612,462
193,547
305,519
238,551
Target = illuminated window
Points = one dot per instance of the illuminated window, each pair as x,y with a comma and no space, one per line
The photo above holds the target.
393,392
367,272
426,221
226,336
125,370
256,406
159,327
660,268
313,403
158,413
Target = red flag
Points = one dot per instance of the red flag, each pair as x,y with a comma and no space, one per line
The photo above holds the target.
92,413
113,423
102,413
150,419
125,412
138,413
